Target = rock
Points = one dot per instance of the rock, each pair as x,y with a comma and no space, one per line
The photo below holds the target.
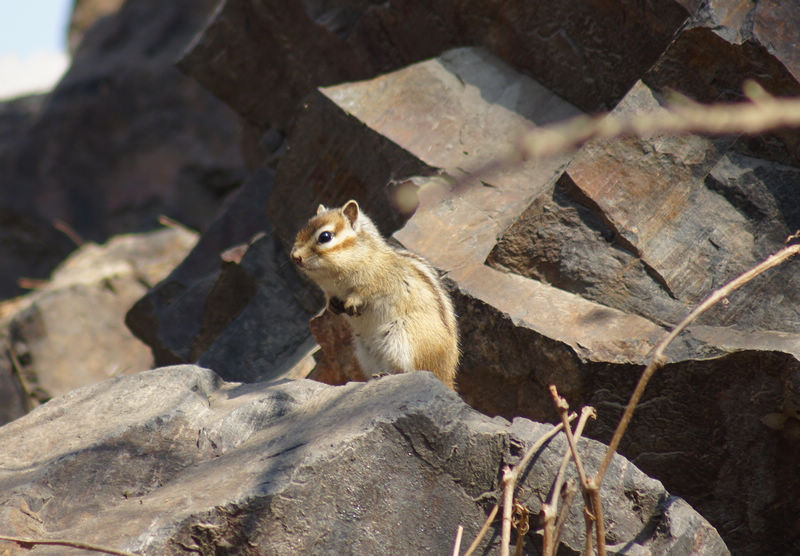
241,315
124,137
638,258
71,332
727,42
84,14
566,270
576,50
634,224
126,464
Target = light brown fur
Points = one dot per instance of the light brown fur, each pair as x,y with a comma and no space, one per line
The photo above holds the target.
401,316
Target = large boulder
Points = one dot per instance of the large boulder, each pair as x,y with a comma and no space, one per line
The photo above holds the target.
175,460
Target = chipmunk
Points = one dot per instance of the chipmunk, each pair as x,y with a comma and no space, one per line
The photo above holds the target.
401,316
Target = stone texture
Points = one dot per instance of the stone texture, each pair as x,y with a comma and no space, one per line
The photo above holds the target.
297,467
727,42
70,332
637,224
588,52
649,212
232,303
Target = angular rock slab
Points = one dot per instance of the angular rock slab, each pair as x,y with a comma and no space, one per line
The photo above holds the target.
234,303
175,460
653,226
262,57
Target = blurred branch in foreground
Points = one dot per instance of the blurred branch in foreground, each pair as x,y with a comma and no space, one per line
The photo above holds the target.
680,116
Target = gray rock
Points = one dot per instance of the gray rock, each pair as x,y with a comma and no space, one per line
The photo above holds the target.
175,460
234,303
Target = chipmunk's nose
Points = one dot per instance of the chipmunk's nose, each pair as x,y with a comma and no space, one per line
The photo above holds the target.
298,260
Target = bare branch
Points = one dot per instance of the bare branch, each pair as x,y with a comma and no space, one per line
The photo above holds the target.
658,353
30,543
484,529
550,509
523,463
508,503
763,113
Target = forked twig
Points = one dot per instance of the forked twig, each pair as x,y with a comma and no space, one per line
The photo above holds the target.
590,514
550,509
515,472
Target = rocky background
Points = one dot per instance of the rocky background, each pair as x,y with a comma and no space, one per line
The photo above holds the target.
237,119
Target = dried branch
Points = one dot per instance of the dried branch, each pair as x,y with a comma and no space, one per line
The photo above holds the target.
681,116
457,543
508,502
550,509
658,359
30,543
516,471
484,529
589,512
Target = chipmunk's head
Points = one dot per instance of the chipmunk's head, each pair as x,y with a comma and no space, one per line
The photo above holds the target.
326,244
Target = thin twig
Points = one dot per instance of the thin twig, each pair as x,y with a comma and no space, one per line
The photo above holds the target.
30,543
600,526
484,529
658,354
508,503
523,463
563,409
763,113
589,516
457,543
550,509
517,470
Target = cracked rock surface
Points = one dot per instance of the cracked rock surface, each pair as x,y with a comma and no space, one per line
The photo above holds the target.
176,460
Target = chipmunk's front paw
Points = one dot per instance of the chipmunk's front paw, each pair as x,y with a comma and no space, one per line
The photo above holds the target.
336,306
353,306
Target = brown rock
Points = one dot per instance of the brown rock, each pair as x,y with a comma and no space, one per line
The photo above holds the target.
590,53
641,215
726,43
336,360
71,332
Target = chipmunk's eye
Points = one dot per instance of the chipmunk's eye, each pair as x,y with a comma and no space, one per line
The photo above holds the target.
325,237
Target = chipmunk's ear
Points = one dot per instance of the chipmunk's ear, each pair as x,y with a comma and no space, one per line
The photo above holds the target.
350,210
321,208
